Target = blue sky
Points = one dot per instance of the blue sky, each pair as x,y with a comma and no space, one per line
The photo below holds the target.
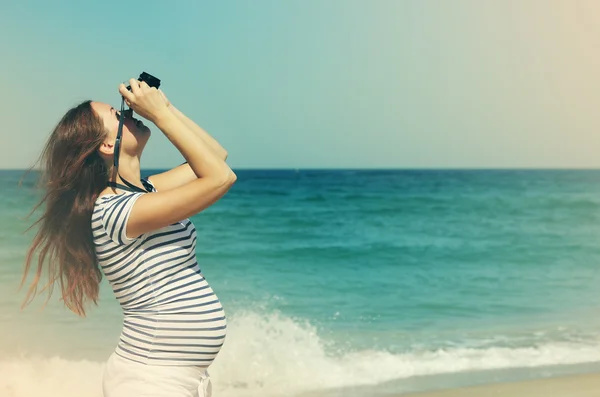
320,84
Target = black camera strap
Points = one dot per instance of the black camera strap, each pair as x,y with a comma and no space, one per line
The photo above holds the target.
152,82
130,187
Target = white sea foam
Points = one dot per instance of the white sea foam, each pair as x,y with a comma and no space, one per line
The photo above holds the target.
272,355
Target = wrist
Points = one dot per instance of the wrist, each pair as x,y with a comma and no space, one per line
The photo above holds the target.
163,116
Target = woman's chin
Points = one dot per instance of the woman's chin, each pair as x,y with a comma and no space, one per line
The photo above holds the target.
142,129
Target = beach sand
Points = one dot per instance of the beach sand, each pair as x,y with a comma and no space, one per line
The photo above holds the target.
569,386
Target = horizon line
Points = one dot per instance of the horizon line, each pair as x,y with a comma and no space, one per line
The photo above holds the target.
541,168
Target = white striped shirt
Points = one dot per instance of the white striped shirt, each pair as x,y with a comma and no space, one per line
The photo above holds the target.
172,315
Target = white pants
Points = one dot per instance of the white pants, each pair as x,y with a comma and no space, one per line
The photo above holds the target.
126,378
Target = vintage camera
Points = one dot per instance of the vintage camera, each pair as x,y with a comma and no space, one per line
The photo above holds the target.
149,79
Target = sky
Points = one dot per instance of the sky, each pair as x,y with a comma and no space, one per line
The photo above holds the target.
320,84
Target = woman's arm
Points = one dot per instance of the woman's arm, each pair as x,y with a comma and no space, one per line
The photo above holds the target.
184,174
152,211
210,141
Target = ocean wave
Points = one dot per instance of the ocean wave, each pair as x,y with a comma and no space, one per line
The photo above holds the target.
274,355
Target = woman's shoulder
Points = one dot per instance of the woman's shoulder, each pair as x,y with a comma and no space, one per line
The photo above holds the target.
106,200
106,193
109,193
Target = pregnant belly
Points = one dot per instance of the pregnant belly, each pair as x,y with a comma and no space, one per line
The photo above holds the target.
190,333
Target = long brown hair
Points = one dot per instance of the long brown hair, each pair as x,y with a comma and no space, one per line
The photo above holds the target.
72,177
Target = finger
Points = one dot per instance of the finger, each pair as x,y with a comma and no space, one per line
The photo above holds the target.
126,94
144,86
135,86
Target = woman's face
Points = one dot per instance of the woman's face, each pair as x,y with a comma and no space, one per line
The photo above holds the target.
135,133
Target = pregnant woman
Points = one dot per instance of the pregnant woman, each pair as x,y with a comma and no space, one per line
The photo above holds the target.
138,235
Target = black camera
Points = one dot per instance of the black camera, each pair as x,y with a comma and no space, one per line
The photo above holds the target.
149,79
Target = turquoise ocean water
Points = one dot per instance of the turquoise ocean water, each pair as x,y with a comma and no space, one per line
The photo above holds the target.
342,282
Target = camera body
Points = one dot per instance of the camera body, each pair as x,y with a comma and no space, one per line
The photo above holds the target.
149,79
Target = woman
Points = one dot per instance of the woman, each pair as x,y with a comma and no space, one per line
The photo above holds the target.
139,236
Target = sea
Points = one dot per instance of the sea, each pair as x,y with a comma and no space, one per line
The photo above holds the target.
350,283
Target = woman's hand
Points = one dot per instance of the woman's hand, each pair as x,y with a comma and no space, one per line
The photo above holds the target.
165,98
144,100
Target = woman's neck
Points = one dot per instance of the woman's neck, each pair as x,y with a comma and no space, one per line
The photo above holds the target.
130,171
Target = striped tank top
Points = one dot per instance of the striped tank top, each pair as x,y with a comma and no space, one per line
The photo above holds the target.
171,314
